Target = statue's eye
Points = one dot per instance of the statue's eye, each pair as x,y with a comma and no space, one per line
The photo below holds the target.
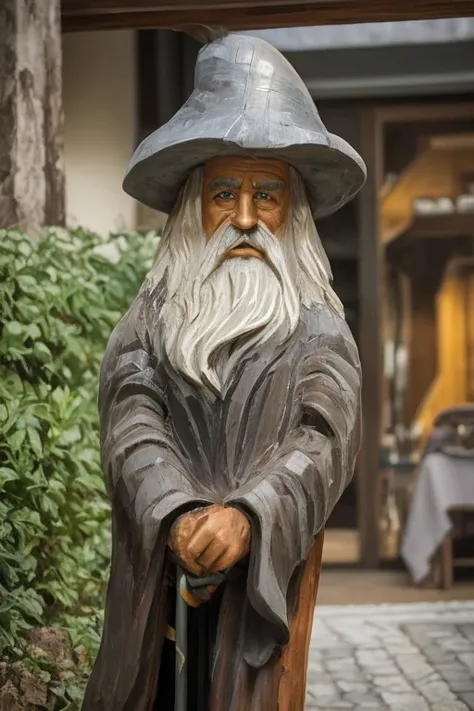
226,195
262,196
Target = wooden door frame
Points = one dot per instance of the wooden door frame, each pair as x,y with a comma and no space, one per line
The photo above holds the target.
371,266
80,15
370,340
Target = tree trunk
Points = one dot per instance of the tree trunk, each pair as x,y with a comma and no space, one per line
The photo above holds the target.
31,118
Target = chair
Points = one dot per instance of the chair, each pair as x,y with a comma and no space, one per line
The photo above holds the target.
453,435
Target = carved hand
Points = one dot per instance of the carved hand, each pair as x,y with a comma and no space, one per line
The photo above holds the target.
211,539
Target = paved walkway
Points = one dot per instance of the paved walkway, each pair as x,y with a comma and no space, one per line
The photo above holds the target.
417,657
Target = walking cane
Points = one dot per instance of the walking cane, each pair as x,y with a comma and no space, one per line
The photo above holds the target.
187,587
181,626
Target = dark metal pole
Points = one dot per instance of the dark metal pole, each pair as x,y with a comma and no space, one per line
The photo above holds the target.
181,680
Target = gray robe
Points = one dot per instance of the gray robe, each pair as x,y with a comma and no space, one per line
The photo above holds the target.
280,442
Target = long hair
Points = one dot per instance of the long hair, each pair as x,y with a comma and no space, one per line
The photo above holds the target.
302,244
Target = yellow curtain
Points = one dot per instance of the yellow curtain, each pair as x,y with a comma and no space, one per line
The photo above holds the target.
454,383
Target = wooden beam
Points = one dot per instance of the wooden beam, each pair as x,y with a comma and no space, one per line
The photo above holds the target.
31,172
408,113
250,14
442,226
370,342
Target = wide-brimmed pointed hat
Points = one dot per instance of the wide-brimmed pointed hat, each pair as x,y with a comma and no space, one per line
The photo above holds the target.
247,101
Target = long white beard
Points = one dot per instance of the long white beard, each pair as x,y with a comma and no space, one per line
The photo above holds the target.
228,306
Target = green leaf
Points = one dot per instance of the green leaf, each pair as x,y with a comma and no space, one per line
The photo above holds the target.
52,273
7,474
25,248
73,434
33,331
42,351
17,439
28,284
15,328
49,507
60,396
35,441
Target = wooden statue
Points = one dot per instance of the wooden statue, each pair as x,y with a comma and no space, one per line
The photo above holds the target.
229,399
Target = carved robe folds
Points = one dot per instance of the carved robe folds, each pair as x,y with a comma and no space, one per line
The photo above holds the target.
280,442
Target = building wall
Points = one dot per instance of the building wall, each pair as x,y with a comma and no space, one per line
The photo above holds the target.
99,91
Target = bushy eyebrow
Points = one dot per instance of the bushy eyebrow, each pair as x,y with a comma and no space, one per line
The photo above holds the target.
270,185
225,183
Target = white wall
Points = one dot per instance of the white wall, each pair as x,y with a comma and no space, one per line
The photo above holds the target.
99,94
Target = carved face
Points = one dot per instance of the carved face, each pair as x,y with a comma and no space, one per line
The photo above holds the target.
244,192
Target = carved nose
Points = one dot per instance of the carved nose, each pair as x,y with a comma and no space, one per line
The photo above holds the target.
245,216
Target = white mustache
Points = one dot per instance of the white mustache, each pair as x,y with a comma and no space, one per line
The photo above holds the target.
228,237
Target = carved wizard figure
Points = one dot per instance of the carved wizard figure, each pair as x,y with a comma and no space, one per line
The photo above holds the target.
229,397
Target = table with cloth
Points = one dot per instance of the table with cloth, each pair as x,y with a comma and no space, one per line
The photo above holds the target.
445,483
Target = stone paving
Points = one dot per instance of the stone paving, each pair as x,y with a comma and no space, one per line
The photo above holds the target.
417,657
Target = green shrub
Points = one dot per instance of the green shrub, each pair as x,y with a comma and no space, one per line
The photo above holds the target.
59,300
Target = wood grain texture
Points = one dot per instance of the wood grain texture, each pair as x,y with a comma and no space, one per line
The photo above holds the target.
31,171
295,658
55,202
245,14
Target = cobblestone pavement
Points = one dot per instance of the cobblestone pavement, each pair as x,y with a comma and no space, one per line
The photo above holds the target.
417,657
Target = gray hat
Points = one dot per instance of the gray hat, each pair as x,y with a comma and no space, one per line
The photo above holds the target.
248,101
